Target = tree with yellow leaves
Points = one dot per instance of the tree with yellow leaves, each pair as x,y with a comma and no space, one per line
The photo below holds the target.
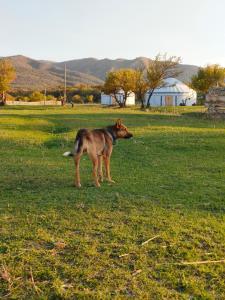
7,75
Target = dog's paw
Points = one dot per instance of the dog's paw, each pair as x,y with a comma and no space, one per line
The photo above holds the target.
78,185
111,181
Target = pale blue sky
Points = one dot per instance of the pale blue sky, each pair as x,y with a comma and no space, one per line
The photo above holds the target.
68,29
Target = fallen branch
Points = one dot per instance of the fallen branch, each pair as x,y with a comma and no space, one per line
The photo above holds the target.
37,289
201,262
123,255
136,272
149,240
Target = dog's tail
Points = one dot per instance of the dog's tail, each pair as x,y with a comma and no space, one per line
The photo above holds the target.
68,153
77,143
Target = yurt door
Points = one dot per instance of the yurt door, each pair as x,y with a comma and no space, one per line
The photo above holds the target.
168,100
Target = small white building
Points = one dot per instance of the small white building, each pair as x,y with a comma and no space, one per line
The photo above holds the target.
173,93
110,99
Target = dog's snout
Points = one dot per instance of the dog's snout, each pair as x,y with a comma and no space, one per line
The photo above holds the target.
129,135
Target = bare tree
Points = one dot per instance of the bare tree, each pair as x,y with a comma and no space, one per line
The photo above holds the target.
141,85
158,70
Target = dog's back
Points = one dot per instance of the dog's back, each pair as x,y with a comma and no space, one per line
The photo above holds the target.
91,141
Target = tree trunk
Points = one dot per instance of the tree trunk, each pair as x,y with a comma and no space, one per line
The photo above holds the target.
149,98
142,103
140,97
118,101
2,99
124,99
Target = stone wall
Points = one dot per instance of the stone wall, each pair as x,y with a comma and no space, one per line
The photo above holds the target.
215,101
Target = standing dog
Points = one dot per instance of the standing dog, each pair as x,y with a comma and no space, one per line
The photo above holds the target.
98,144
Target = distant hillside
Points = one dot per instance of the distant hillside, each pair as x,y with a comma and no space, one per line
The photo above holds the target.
38,74
99,67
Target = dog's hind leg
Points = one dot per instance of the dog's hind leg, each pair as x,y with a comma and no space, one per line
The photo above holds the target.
77,157
100,173
94,159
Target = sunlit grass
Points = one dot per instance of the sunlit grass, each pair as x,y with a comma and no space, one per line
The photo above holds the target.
57,242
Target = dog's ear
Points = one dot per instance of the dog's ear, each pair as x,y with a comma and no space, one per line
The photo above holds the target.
118,123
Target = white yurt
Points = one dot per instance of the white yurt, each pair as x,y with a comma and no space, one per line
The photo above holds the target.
110,99
173,93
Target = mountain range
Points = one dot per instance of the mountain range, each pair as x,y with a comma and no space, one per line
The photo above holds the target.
39,74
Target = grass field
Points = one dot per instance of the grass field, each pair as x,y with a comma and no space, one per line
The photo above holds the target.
58,242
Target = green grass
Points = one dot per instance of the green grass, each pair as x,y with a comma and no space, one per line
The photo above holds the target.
58,242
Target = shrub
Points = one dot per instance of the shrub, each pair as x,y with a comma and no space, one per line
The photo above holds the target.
90,98
10,97
37,96
77,99
51,98
23,98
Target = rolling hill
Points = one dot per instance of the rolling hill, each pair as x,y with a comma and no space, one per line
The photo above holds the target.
39,74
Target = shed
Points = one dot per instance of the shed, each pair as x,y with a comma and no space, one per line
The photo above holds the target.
173,93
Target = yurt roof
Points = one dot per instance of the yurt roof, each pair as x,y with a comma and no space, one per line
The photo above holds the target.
174,86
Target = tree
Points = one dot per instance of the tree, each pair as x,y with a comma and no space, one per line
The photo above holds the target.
141,86
120,83
158,70
37,96
7,75
77,99
90,98
51,98
208,77
23,98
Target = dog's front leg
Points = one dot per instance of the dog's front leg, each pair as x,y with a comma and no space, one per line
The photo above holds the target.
100,173
77,170
107,169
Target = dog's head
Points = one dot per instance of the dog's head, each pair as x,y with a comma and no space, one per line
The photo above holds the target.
121,131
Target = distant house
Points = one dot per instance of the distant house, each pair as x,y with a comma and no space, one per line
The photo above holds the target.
173,93
110,99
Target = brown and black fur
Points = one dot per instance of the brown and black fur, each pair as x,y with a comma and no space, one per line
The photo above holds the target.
98,144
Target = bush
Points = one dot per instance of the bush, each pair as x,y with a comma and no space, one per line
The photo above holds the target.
90,99
37,96
51,98
23,98
77,99
10,97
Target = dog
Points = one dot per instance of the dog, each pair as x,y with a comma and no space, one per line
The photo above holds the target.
98,144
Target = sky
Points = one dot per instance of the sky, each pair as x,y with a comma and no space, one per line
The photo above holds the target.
62,30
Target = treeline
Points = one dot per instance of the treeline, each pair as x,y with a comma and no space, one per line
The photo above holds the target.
77,94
